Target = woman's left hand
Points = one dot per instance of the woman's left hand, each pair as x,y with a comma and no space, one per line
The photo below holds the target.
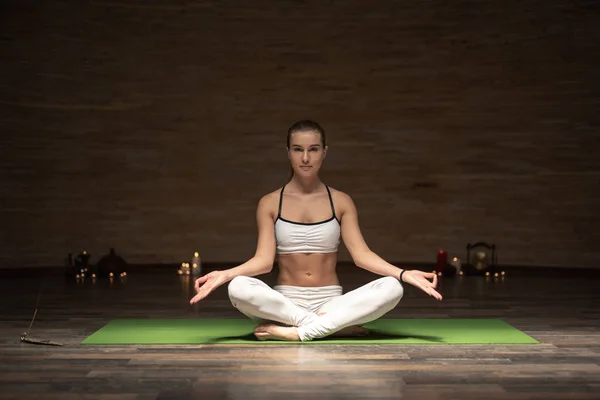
420,279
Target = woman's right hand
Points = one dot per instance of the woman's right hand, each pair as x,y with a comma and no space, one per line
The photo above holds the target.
207,283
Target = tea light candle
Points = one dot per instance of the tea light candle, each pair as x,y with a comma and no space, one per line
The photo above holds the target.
185,268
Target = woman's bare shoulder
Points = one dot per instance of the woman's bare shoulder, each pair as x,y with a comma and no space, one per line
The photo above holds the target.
271,196
340,198
338,193
270,201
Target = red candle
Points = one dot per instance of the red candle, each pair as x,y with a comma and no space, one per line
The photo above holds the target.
442,260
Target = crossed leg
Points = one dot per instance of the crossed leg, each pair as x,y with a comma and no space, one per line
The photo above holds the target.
258,301
357,307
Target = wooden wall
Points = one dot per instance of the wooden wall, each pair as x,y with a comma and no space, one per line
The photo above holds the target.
154,127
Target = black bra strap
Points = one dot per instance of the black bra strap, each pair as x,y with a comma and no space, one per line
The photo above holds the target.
330,201
280,201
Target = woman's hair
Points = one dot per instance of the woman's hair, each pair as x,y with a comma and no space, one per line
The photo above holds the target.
303,126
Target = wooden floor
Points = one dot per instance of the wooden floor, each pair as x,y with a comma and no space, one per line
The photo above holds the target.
561,311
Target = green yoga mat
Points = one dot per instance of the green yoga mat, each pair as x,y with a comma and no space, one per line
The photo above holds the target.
240,331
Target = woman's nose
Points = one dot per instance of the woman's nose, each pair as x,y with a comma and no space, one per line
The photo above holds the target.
305,156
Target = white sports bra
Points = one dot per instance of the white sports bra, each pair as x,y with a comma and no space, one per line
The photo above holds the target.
307,237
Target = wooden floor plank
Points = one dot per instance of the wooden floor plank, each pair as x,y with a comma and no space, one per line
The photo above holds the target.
563,315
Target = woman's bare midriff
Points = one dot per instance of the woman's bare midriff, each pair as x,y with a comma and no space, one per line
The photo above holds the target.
312,270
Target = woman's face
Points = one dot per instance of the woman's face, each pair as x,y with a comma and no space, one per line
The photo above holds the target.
306,153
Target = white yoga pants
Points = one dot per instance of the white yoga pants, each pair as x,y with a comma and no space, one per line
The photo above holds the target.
298,306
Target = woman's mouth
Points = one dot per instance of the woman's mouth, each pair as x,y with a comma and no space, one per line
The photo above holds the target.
305,167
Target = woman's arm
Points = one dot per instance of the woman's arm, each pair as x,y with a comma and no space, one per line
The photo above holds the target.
353,239
261,263
263,259
367,259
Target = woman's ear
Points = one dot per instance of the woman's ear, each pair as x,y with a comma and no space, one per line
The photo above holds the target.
325,151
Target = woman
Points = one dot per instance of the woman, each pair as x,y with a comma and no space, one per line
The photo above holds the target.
302,223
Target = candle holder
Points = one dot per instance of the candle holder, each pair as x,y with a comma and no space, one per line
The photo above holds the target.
457,265
111,263
82,264
481,259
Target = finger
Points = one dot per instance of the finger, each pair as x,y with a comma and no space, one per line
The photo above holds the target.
198,297
202,294
425,283
432,292
204,291
435,280
430,275
435,294
200,280
433,277
195,299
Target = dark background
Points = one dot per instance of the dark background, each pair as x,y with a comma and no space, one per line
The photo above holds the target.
155,126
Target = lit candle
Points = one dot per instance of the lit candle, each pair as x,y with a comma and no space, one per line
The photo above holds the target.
457,264
184,268
196,265
442,260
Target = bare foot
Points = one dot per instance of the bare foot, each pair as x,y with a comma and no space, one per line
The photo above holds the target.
354,330
350,331
276,332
